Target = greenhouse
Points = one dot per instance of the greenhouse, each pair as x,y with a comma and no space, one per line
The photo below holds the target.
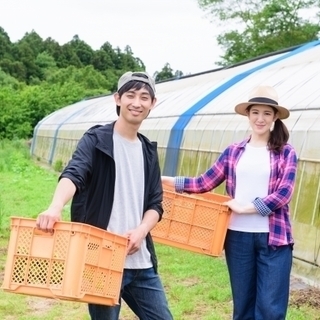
194,121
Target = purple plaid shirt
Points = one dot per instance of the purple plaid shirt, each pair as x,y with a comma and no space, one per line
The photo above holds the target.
281,186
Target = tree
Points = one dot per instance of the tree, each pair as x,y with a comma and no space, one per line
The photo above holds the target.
82,50
101,60
53,48
7,80
45,60
5,45
26,55
256,27
69,56
108,49
15,69
34,41
167,73
178,74
129,62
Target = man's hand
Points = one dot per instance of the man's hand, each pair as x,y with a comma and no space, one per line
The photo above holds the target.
65,190
135,237
47,219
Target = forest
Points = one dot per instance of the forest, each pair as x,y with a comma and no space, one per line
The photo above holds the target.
39,76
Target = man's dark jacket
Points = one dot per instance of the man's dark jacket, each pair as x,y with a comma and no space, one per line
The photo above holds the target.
92,170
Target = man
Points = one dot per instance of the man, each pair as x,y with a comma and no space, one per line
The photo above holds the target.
116,175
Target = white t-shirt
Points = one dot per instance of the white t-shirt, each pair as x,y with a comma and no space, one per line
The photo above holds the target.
127,207
252,181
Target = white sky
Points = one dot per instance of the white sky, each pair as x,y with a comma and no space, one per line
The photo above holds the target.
158,31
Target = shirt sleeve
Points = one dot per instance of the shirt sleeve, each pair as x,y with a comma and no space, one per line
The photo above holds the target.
207,181
285,186
79,167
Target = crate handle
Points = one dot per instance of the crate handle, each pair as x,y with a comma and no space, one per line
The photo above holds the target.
39,232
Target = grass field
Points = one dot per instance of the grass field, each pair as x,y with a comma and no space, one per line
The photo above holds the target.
197,286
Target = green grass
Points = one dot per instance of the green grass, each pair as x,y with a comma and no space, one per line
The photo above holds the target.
197,286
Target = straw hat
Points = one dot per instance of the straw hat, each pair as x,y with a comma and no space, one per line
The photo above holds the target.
263,95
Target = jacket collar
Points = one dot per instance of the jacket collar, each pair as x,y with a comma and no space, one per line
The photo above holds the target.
104,136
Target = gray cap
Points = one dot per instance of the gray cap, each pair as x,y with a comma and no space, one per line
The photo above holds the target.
137,76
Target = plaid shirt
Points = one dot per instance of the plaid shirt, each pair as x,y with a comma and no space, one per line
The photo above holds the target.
280,190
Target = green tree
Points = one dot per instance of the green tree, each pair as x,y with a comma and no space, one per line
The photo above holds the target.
34,41
178,74
87,77
14,68
54,49
24,53
82,50
165,74
101,60
5,45
110,51
45,60
129,62
256,27
14,118
69,56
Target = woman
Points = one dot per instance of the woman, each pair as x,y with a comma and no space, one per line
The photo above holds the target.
260,174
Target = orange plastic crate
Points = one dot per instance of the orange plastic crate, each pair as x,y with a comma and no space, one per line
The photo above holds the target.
77,262
193,222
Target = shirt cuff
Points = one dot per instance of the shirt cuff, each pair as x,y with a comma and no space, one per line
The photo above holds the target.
261,207
179,184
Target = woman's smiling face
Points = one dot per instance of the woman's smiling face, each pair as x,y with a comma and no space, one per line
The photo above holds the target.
261,118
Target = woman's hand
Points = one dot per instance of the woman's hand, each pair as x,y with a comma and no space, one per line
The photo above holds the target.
166,180
236,207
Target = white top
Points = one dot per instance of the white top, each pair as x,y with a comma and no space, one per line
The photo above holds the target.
252,181
127,207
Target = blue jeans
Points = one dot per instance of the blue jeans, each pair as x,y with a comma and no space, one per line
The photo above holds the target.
143,292
259,276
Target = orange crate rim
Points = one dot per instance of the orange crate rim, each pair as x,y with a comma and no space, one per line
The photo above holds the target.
77,262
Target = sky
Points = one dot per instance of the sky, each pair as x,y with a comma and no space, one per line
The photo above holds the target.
158,31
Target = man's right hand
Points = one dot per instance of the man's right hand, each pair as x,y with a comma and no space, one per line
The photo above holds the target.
65,190
47,219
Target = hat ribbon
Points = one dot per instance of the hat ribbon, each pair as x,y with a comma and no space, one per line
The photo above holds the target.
263,100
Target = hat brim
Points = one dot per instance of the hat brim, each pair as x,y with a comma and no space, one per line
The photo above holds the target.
241,108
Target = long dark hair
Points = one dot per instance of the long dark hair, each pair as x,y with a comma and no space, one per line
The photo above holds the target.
279,136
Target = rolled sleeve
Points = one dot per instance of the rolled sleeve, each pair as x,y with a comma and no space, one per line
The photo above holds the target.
179,184
261,207
282,184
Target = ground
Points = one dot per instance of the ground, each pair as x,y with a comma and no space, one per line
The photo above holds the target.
303,294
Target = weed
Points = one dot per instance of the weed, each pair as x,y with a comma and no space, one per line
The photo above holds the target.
58,166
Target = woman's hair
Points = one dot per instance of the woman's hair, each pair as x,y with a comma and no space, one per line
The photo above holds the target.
279,136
